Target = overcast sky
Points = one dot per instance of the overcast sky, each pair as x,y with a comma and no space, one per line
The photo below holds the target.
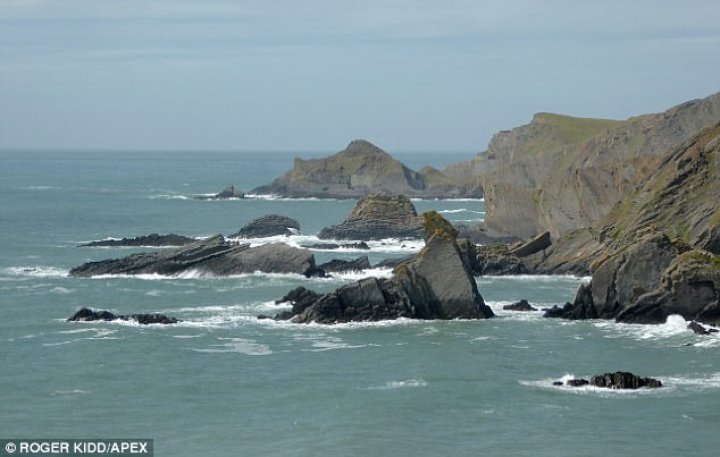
312,75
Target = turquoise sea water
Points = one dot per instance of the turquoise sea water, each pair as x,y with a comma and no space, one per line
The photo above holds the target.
224,384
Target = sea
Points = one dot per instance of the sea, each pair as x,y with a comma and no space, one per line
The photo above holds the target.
223,383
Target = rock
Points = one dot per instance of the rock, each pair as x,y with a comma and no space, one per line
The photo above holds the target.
227,193
377,217
623,380
339,266
522,305
698,329
147,240
617,380
537,244
394,262
214,256
87,314
496,260
581,308
300,298
560,173
363,168
267,226
436,284
331,246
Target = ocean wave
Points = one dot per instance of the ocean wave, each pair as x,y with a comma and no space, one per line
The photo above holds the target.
41,188
675,326
387,245
461,210
405,384
36,272
274,197
534,278
237,345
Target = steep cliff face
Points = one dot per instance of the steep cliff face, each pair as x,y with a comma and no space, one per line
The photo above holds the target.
656,253
560,173
363,168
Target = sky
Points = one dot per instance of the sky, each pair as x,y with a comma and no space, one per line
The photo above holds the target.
311,75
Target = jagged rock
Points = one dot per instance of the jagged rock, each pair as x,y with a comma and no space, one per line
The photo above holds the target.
363,168
394,262
537,244
147,240
87,314
269,225
617,380
699,329
329,246
496,260
338,266
436,284
581,308
215,256
227,193
522,305
376,217
560,173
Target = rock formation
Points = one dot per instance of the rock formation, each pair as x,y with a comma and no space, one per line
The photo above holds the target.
436,284
651,251
339,266
522,305
376,217
227,193
560,173
363,168
87,314
617,380
215,256
269,225
147,240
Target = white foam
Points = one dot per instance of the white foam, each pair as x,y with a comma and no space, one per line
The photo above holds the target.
675,326
387,245
41,188
237,345
37,272
71,392
274,197
62,290
408,383
535,278
593,390
361,274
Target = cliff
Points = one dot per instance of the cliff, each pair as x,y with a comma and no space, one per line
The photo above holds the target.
656,253
363,168
561,173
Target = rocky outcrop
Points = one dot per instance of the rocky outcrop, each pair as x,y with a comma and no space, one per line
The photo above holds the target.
153,240
87,314
617,380
650,251
436,284
229,192
537,244
213,256
522,305
700,329
339,266
560,173
267,226
377,217
363,168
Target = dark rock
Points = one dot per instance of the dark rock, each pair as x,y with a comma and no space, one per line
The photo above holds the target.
215,256
436,284
330,246
623,380
496,260
699,329
376,217
581,308
522,305
300,298
147,240
269,225
537,244
87,314
394,262
617,380
338,266
227,193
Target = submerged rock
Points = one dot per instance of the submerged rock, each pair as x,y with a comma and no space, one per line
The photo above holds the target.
699,329
87,314
269,225
617,380
214,256
376,217
227,193
435,284
153,239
